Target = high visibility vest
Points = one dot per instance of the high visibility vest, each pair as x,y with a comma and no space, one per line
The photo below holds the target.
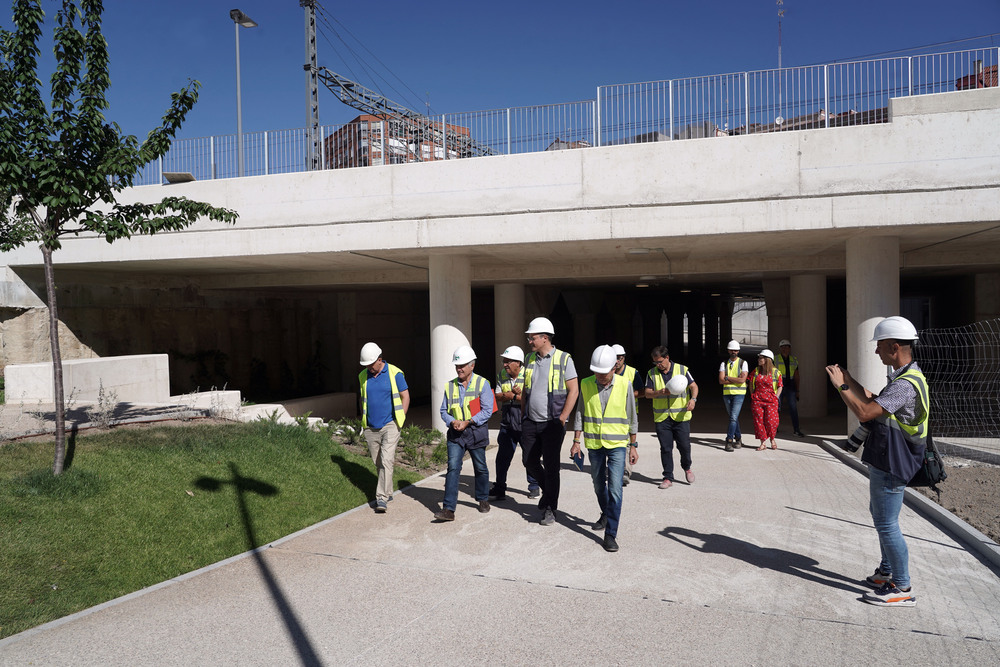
459,407
733,370
398,415
608,428
556,384
673,406
915,434
506,383
793,365
893,446
756,375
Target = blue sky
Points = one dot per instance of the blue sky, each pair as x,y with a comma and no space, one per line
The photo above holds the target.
466,56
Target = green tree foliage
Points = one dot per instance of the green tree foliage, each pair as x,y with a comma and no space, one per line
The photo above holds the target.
62,163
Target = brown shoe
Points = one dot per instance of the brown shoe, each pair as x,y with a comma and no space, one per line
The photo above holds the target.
484,506
444,515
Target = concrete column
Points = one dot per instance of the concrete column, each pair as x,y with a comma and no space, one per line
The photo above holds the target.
712,346
807,296
776,296
696,329
987,297
872,293
508,313
726,321
450,286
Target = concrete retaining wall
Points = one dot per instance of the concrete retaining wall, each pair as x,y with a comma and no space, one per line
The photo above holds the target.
141,378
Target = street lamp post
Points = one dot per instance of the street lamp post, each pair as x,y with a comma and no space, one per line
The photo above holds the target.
239,19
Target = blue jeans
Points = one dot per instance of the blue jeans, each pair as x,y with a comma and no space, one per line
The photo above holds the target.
668,431
788,395
886,492
507,442
606,468
456,453
734,403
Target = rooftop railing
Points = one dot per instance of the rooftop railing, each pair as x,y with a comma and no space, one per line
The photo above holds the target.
781,100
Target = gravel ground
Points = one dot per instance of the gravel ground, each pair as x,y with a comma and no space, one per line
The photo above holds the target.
970,492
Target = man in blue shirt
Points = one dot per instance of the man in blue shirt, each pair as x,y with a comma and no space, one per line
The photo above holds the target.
465,409
385,398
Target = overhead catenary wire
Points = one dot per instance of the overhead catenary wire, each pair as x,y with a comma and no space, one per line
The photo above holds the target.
327,20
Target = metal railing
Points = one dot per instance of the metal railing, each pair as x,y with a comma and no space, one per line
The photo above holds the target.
794,98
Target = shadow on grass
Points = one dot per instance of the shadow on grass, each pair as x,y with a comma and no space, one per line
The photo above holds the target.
241,486
779,560
361,477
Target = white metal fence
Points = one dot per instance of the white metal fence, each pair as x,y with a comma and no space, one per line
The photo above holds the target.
795,98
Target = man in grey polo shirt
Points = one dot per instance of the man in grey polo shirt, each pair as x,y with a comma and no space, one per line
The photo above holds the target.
548,398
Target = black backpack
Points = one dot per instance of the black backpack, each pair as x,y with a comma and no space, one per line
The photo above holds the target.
932,471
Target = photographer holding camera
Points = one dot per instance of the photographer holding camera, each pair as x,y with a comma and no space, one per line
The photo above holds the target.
894,449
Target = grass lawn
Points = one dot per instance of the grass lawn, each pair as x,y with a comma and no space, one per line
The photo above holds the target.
137,506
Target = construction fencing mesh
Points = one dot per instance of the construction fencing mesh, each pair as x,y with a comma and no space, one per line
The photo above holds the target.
962,366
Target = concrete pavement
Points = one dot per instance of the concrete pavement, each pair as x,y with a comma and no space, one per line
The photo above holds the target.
760,561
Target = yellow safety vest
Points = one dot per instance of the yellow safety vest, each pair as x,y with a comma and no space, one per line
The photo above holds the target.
398,415
673,406
793,365
608,429
459,408
757,374
733,370
915,434
506,383
556,384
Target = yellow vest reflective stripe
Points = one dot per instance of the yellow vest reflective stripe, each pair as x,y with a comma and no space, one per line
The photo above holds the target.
733,370
459,407
556,385
610,428
673,406
915,434
398,415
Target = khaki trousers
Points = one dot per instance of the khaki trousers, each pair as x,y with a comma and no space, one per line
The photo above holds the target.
382,448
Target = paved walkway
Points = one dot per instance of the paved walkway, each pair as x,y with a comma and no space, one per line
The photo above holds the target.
759,561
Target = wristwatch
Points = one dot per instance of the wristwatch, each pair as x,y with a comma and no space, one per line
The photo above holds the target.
844,387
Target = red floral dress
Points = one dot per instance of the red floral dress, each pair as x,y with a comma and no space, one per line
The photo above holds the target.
764,404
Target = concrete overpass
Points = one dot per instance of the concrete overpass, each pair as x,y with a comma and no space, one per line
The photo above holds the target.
835,228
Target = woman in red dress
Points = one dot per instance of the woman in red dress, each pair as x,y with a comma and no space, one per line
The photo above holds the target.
765,388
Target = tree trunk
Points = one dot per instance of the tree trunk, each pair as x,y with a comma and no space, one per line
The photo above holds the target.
57,369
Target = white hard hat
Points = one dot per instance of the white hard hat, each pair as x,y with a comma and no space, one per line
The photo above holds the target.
767,353
677,384
895,327
603,359
463,355
619,350
514,353
733,345
783,342
370,353
540,325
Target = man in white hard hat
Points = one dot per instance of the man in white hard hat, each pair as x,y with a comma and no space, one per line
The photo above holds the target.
465,409
550,390
385,398
788,365
671,413
638,385
510,383
893,451
606,418
733,377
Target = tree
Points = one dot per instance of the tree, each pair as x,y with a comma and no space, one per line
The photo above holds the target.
61,165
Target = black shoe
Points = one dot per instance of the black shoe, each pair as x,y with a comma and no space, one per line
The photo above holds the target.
444,515
800,434
729,446
625,479
484,506
609,543
498,495
534,493
600,524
